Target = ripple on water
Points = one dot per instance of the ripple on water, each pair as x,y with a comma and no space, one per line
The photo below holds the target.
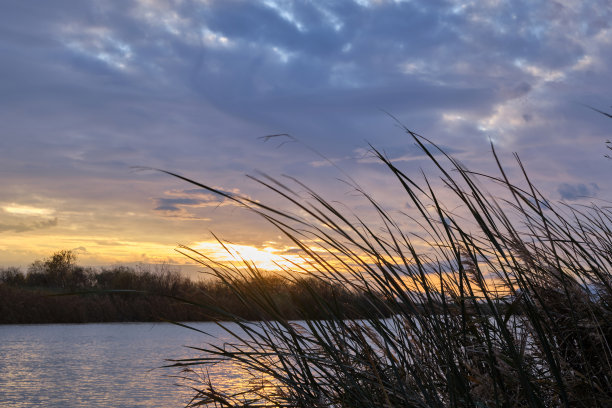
96,365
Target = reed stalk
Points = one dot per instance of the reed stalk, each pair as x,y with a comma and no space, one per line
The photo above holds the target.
509,305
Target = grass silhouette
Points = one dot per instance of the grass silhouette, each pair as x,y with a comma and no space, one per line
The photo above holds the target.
509,305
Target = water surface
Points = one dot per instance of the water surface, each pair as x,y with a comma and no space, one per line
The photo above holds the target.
98,365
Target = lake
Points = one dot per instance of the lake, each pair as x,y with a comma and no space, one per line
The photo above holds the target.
100,365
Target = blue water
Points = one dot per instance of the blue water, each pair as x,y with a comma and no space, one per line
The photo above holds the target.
98,365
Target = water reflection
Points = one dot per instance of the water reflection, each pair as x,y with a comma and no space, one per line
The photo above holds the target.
237,382
99,365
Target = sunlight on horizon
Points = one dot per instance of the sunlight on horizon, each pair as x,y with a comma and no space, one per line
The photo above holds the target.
264,258
100,250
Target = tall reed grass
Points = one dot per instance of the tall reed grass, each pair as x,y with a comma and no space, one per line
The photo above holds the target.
508,305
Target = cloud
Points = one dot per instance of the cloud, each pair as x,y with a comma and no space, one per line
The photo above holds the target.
91,88
292,251
18,209
25,227
81,250
181,201
287,64
577,191
174,204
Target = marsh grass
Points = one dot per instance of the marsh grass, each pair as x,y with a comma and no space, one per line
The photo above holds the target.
510,305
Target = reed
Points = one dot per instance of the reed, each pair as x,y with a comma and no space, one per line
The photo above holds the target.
508,305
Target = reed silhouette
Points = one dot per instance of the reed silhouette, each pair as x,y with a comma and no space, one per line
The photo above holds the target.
498,300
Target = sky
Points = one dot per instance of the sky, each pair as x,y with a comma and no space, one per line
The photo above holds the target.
92,90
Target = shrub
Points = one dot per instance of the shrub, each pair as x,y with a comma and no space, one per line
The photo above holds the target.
12,276
59,271
128,294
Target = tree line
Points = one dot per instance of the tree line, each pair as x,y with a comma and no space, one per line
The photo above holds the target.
58,290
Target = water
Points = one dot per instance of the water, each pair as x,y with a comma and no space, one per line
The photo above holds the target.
99,365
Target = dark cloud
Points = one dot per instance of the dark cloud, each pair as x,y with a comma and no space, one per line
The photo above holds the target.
174,204
577,191
292,65
180,199
292,251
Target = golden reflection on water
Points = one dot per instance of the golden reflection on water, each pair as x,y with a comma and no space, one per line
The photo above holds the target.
241,385
232,380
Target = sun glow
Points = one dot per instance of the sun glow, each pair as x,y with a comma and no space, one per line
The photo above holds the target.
265,258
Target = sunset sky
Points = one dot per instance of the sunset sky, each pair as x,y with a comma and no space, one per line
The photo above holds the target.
89,90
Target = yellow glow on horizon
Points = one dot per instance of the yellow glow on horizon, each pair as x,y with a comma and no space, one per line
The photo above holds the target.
90,249
20,249
266,258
